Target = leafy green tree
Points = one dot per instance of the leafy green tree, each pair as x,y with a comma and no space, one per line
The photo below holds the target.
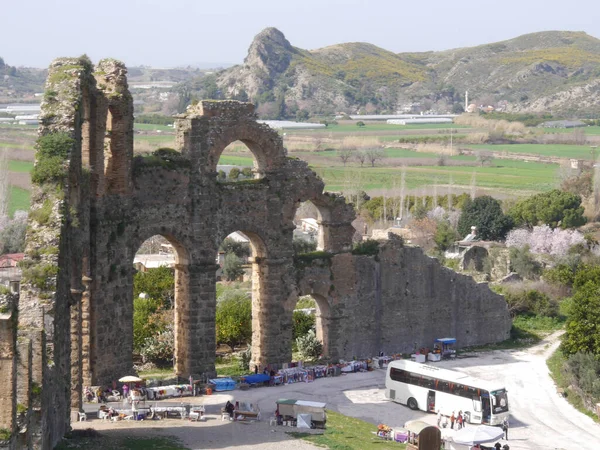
158,284
554,208
12,236
234,173
247,172
241,249
232,267
583,325
486,214
445,236
360,124
143,327
419,211
234,320
303,246
302,323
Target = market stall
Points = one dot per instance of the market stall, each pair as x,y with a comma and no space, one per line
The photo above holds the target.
289,409
422,436
446,347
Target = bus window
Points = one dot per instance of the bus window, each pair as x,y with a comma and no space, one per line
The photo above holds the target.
499,401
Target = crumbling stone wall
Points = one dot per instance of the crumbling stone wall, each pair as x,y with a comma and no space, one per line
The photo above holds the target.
397,299
8,372
94,203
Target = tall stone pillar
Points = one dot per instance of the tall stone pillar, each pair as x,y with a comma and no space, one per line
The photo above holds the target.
269,291
76,372
195,322
86,368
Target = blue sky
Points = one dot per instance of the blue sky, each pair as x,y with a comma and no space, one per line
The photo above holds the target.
169,33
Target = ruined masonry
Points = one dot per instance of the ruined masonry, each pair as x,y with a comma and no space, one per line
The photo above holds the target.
94,203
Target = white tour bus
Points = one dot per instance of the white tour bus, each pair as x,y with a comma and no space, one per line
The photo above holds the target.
429,388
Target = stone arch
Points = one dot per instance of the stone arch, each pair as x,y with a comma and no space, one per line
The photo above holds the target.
182,296
230,121
335,218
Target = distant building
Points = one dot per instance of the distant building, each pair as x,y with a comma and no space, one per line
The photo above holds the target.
143,263
10,272
563,124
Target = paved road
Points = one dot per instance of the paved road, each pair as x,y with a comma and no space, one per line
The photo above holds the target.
540,418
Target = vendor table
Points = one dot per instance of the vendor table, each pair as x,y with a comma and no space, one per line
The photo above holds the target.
181,411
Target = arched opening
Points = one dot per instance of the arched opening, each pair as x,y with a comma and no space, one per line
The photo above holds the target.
311,321
312,226
237,163
239,288
160,289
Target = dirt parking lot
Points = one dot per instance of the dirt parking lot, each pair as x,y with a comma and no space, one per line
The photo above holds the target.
540,417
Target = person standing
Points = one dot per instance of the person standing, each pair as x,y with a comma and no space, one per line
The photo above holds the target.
439,418
459,420
505,427
452,420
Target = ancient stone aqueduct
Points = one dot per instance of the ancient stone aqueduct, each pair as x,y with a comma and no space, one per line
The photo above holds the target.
72,323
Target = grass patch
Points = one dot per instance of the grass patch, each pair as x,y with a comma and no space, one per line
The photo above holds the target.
556,150
555,364
229,366
20,200
157,374
347,433
92,440
20,166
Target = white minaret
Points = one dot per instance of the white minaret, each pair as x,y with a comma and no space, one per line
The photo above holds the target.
466,100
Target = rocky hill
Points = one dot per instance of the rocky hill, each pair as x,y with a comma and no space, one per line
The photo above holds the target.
19,84
548,71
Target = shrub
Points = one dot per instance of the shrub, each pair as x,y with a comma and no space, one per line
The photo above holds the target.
531,302
302,246
244,359
247,172
583,371
302,323
370,247
309,346
523,263
52,151
486,214
159,348
232,267
234,173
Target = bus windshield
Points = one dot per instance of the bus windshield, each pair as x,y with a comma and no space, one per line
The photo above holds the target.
499,401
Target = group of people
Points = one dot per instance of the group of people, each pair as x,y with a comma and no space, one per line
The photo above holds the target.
458,419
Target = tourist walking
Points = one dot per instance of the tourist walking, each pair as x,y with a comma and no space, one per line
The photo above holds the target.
459,420
505,427
452,420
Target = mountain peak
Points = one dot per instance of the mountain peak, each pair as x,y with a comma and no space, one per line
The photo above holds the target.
270,51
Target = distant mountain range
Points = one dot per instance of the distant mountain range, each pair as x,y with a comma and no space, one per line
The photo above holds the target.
553,71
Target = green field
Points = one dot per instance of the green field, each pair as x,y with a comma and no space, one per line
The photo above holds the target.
151,127
19,200
507,176
592,131
556,150
20,166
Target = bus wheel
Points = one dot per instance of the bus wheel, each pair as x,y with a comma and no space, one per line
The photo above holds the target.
412,403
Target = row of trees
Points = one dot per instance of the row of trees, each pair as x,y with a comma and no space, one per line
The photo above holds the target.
368,155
